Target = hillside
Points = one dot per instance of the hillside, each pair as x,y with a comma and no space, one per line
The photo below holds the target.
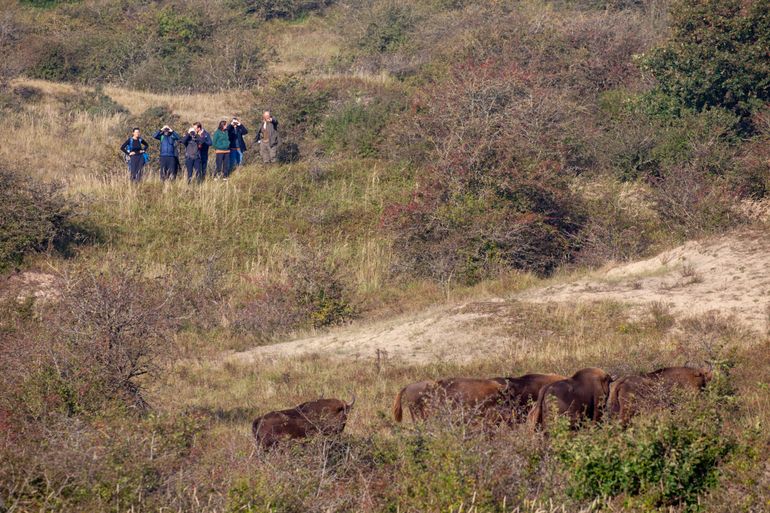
724,277
462,189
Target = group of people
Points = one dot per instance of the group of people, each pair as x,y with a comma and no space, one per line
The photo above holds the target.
228,142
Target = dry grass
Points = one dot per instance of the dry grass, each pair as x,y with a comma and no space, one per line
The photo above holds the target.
309,44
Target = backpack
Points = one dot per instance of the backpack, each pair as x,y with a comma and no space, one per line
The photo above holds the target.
145,154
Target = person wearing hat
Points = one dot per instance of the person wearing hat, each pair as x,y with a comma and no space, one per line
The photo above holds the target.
221,143
236,131
135,149
192,154
169,155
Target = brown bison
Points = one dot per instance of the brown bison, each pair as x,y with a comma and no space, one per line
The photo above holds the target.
580,397
481,396
495,399
630,394
415,398
521,392
323,416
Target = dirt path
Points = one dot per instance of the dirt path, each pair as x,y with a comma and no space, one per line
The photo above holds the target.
729,275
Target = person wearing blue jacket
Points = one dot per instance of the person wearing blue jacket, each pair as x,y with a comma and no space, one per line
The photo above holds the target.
236,131
206,142
169,156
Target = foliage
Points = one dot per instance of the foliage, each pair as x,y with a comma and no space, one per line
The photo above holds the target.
388,27
356,129
93,102
34,217
716,56
315,295
486,201
285,9
662,461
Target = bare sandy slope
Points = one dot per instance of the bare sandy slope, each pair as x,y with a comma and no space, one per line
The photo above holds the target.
729,275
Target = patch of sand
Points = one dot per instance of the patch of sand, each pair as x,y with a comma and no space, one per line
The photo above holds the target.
729,275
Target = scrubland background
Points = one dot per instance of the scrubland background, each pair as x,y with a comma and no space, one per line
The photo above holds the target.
465,189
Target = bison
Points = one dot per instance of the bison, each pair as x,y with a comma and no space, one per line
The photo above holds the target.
415,398
495,399
580,397
323,416
630,394
471,394
521,392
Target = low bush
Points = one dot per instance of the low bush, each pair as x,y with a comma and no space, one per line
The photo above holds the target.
93,102
691,204
388,26
285,9
314,294
356,129
34,217
664,460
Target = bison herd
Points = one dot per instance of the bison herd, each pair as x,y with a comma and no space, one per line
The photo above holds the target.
585,396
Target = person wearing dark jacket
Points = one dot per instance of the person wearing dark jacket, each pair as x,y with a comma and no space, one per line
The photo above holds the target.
204,146
236,131
192,155
169,155
268,138
221,143
135,148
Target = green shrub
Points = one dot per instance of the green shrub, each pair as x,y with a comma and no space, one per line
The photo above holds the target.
388,28
179,32
660,461
285,9
717,55
356,129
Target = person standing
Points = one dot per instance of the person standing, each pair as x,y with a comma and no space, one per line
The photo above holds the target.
221,143
169,155
204,146
236,131
192,154
268,139
136,150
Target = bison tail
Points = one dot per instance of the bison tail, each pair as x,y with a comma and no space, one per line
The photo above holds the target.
398,412
536,417
613,401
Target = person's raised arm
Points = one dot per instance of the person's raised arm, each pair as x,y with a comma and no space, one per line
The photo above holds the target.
157,135
244,130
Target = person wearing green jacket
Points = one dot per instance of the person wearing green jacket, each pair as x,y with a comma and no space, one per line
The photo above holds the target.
221,143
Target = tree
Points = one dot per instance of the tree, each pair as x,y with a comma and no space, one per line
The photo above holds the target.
717,55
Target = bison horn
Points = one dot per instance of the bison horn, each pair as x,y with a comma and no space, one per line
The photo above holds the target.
352,401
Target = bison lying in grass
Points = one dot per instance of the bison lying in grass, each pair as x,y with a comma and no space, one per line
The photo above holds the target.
323,416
